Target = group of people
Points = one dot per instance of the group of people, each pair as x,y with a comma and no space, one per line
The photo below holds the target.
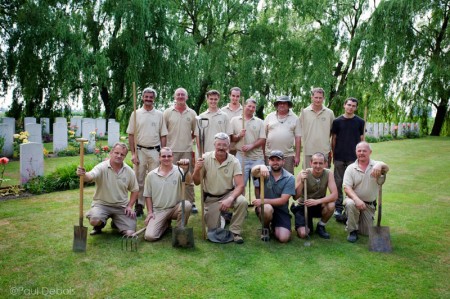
238,146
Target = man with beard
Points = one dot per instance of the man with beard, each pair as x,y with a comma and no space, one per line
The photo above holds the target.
278,188
318,203
162,193
113,180
151,136
283,132
223,186
233,109
361,188
182,129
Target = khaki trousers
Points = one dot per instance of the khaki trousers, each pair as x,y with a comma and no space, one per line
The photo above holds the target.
357,219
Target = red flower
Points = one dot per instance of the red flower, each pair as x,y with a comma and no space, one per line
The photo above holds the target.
97,151
105,148
4,160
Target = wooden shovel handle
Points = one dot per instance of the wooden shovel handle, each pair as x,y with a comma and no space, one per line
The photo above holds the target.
81,141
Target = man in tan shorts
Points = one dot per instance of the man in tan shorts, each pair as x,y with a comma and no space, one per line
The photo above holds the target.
151,136
316,121
283,132
113,180
182,129
361,188
218,120
223,186
233,109
162,192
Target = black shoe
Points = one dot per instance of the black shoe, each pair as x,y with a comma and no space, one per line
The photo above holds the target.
322,232
227,216
97,230
341,218
353,236
194,209
139,209
113,225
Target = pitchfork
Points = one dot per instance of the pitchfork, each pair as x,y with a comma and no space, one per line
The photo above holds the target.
129,243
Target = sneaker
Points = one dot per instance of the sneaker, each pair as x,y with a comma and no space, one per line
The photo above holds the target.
237,239
139,209
194,209
322,232
353,236
342,218
337,212
97,230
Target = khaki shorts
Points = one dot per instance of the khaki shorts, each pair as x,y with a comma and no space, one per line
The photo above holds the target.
117,214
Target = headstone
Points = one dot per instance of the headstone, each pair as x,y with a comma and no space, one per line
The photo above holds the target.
75,125
100,125
113,133
386,130
380,129
369,129
35,133
417,128
8,140
400,129
31,161
11,121
89,134
45,124
28,120
60,120
60,140
375,130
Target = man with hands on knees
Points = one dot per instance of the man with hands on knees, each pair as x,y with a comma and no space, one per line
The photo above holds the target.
361,188
113,179
279,186
223,186
319,204
162,193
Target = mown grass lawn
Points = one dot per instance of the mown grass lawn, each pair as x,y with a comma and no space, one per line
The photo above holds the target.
37,234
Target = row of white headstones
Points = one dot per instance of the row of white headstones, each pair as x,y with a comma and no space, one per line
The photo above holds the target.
31,153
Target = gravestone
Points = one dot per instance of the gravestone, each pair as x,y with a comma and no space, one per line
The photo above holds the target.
45,123
8,140
380,129
31,161
113,133
35,133
400,129
60,140
100,125
369,129
11,121
89,134
375,130
60,120
27,121
75,125
386,130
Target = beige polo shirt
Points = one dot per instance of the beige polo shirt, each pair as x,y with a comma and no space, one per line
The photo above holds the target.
316,130
254,131
218,122
364,185
219,177
165,191
150,127
230,113
281,133
112,188
180,127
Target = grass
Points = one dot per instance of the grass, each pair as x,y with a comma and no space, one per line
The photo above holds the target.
37,235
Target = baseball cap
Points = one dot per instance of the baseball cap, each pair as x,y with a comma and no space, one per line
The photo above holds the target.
276,153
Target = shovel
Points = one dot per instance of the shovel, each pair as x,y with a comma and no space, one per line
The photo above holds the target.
264,231
80,232
305,196
201,133
183,236
379,236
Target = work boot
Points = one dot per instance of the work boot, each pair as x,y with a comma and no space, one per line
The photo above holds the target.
194,209
139,209
113,225
353,236
97,230
238,239
322,232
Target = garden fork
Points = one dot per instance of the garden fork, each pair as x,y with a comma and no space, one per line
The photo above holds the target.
130,243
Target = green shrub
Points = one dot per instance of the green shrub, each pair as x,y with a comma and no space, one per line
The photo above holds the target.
67,153
371,139
387,137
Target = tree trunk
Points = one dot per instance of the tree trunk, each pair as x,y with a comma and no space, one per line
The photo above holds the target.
440,117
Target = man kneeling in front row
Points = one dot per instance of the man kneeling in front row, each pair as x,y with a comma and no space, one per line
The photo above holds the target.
320,205
113,180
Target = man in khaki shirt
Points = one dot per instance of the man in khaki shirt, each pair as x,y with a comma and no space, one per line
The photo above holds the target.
361,188
113,180
283,132
218,120
249,141
316,121
182,129
223,186
151,136
162,192
233,109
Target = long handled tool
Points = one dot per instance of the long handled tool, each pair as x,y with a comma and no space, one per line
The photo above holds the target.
183,236
201,134
380,236
135,131
365,120
130,243
80,232
264,231
305,196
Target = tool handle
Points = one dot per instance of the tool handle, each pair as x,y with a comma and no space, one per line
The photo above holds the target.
139,231
81,141
305,196
135,167
380,203
261,183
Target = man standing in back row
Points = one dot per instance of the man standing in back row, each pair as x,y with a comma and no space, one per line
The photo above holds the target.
151,136
315,122
233,109
347,131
